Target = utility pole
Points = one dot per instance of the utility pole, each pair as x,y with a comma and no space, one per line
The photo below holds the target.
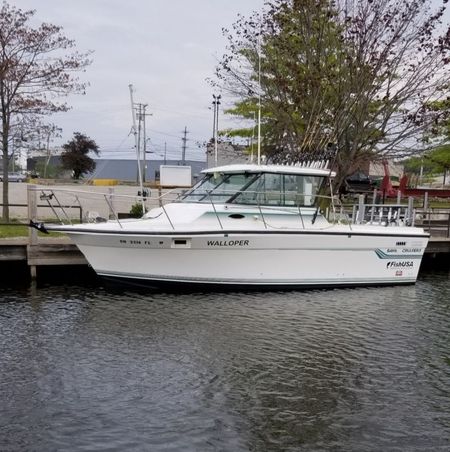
216,103
165,152
145,143
138,108
184,140
136,141
142,137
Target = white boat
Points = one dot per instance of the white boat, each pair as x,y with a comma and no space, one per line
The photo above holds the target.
253,226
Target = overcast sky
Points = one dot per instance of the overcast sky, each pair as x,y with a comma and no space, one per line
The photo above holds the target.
165,48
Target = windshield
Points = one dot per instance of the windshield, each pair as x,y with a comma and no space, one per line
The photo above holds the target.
272,189
218,187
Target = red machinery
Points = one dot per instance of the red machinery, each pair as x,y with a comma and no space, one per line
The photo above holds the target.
391,192
386,185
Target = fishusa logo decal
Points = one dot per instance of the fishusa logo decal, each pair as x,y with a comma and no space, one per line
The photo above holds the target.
403,264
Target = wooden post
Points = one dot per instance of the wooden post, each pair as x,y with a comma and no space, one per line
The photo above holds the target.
361,209
410,216
425,200
32,213
32,216
448,225
33,272
111,203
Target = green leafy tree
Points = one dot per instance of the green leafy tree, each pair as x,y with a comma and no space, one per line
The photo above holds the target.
277,59
440,159
47,170
356,74
75,155
437,137
434,162
37,69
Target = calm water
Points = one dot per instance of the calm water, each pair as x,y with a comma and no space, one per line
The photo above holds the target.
87,368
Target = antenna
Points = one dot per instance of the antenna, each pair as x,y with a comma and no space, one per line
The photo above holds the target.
252,139
216,103
259,92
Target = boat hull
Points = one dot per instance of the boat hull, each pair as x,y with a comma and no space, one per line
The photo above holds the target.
256,259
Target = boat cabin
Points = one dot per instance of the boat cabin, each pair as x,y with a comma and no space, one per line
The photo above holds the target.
271,185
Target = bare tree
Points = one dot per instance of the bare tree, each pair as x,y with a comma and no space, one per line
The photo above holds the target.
358,74
37,69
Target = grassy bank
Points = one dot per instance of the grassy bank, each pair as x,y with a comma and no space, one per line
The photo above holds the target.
13,230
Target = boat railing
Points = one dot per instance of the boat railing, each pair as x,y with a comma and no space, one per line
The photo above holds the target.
114,206
292,207
383,214
95,206
69,206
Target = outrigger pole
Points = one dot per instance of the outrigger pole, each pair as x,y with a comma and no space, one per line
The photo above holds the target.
259,93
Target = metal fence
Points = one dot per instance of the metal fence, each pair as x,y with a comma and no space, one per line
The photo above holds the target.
435,221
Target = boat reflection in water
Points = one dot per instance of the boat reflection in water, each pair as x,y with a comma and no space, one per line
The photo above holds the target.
89,368
253,226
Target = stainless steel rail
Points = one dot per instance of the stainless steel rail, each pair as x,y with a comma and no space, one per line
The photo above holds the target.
361,213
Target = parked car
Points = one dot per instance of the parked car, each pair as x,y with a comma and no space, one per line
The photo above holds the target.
14,177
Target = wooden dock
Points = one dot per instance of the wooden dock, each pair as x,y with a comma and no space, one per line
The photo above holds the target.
438,245
46,252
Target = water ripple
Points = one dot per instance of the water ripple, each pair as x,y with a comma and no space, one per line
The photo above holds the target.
353,370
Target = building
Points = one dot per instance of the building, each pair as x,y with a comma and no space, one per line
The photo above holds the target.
125,170
227,154
378,169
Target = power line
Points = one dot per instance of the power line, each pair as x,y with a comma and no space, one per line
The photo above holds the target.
181,113
172,135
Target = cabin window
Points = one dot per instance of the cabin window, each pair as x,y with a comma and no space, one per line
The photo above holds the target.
272,189
281,190
200,190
